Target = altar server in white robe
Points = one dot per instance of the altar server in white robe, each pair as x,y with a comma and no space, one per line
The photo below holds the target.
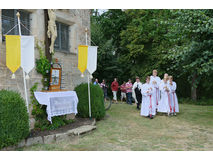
147,107
155,82
173,96
166,76
165,102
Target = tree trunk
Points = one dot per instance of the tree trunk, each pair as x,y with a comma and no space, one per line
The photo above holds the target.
96,12
47,40
194,88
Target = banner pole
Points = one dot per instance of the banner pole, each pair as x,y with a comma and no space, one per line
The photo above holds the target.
89,97
25,86
88,82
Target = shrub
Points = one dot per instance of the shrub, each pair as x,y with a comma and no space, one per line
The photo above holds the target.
97,101
202,101
14,119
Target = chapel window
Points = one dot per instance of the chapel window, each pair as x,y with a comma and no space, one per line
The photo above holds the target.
62,40
9,20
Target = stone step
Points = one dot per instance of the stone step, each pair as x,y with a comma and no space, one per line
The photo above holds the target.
81,130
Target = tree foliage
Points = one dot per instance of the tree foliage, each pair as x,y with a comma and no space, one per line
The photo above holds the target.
144,41
178,42
192,45
108,65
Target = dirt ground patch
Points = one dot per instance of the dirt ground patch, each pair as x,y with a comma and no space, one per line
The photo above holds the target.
77,123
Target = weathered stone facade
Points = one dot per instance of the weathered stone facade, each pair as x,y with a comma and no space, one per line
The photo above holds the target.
77,20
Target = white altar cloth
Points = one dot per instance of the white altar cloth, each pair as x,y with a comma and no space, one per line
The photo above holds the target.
58,103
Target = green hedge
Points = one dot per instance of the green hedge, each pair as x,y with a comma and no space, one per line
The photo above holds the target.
97,101
14,119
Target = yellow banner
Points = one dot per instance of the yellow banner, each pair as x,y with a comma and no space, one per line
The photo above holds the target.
13,52
82,57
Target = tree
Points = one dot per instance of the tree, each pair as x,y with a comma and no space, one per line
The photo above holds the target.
134,42
144,41
112,23
192,50
108,66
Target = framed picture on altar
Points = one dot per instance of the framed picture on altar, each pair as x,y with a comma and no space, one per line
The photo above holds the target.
55,79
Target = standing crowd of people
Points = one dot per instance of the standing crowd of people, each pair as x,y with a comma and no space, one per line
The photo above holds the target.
154,96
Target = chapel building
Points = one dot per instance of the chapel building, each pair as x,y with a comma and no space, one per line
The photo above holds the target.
71,25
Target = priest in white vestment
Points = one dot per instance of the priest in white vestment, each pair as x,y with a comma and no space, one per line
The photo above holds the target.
147,107
155,82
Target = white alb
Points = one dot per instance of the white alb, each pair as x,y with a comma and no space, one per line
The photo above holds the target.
147,106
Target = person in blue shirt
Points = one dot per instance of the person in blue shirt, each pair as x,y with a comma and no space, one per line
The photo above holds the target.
96,82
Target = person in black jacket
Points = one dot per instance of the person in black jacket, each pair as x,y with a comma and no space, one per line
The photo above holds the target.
137,86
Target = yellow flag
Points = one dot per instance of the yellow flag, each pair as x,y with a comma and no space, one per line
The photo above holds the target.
82,57
13,52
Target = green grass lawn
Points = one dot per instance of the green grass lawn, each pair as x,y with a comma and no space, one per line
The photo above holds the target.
124,129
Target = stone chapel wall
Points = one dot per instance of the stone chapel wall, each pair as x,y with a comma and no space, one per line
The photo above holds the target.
77,20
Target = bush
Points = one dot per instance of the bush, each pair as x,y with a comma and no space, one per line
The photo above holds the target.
203,101
14,119
97,101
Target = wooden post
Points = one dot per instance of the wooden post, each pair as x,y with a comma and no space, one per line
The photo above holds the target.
47,40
